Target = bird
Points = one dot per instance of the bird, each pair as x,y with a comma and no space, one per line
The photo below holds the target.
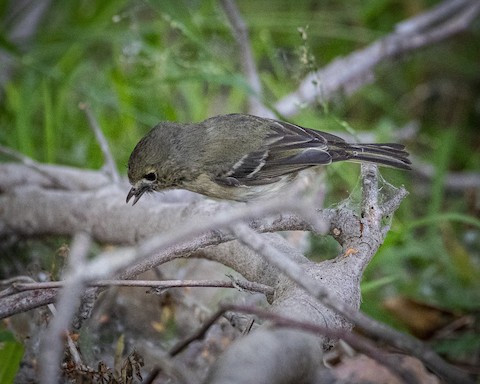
241,157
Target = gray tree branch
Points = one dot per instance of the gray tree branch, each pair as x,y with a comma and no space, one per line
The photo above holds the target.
352,72
264,259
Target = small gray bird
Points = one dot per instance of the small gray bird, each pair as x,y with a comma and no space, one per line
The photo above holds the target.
241,157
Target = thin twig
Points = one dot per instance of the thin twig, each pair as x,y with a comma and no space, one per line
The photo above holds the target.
250,70
392,204
110,166
32,164
72,348
162,284
173,368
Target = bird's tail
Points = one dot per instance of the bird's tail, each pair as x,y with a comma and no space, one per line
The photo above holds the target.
391,154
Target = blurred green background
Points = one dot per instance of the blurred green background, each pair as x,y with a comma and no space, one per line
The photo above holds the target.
138,62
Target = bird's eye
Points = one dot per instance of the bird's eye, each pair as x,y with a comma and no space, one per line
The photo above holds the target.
150,176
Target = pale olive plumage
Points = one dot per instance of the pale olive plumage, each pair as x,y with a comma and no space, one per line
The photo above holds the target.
241,157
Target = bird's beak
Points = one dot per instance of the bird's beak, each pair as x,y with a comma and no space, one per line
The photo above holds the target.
137,191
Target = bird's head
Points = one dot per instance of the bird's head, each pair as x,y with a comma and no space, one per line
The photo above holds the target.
148,166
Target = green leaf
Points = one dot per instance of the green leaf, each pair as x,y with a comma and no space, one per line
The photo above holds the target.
11,353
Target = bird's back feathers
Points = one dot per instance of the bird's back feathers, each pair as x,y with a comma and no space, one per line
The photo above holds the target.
289,148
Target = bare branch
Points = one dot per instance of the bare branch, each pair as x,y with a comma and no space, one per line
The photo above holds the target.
32,164
187,239
110,166
158,284
31,210
50,177
454,181
370,195
240,33
109,262
391,205
433,16
52,343
25,301
355,70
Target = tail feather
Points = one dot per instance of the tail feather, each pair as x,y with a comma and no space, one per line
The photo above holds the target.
392,155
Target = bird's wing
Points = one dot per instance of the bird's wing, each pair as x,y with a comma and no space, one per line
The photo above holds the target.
287,149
